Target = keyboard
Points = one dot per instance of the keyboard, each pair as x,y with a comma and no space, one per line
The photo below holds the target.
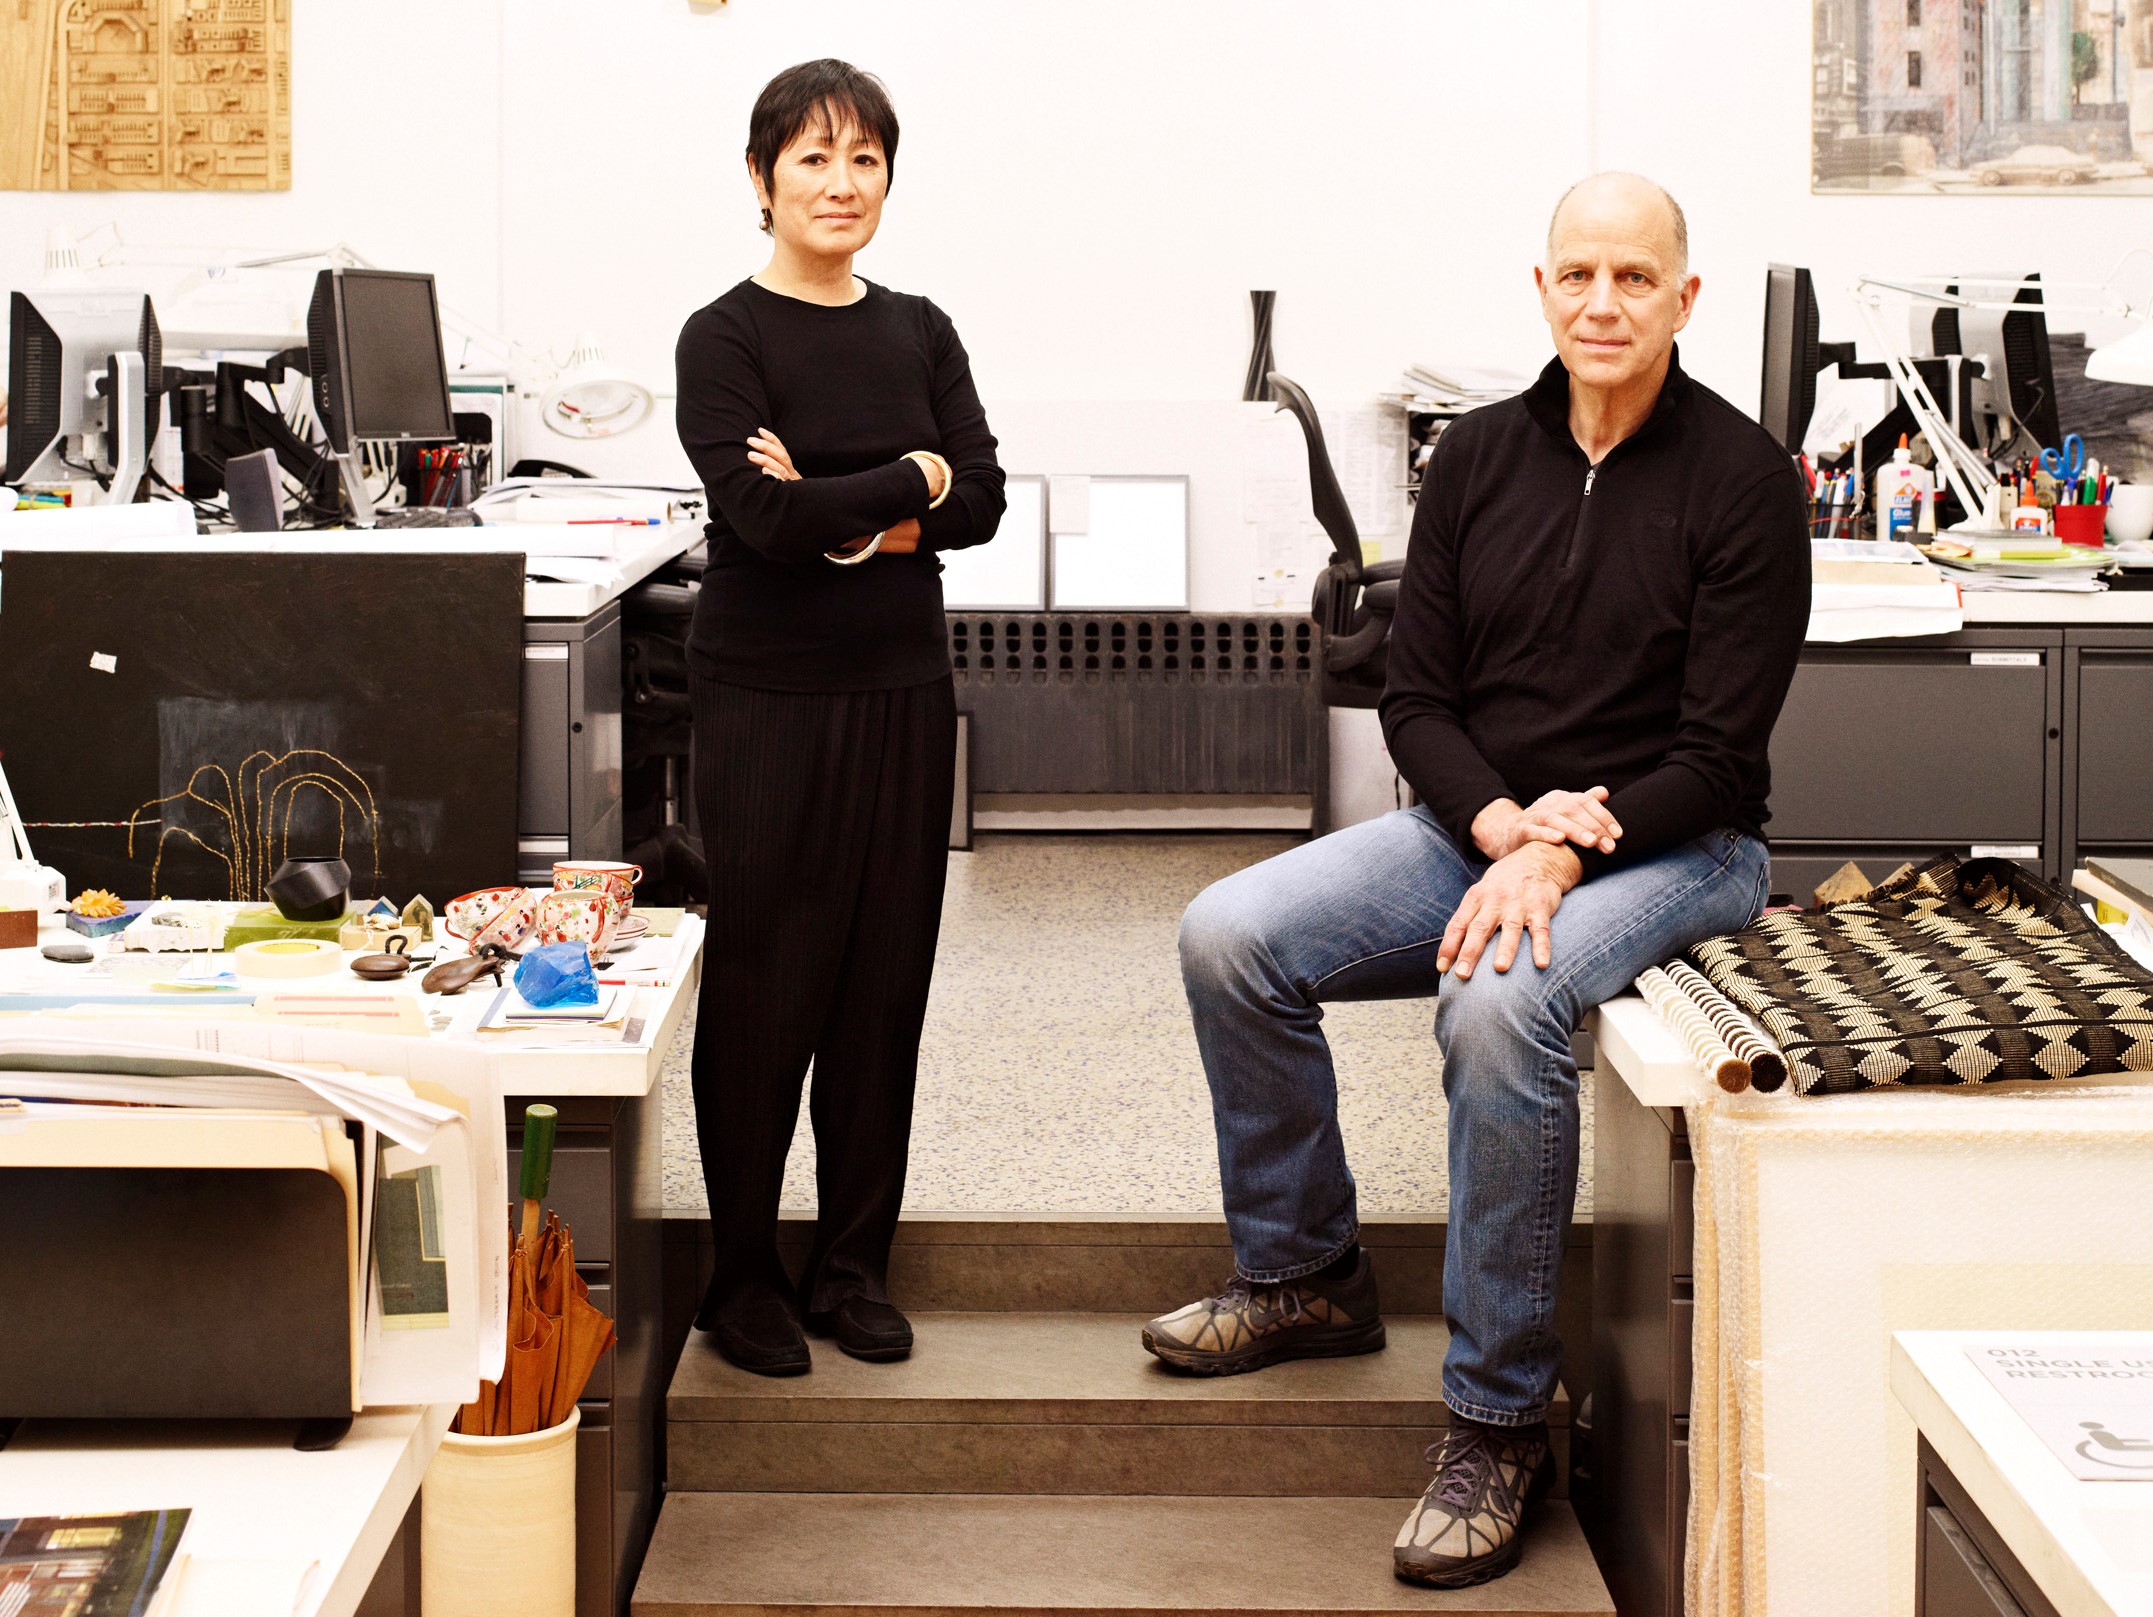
426,516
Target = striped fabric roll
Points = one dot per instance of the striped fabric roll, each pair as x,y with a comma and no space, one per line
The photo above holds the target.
1707,1048
1767,1067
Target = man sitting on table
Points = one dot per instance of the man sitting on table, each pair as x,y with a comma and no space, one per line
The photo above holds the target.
1604,596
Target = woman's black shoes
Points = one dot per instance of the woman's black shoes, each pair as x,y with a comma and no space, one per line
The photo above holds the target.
866,1330
760,1334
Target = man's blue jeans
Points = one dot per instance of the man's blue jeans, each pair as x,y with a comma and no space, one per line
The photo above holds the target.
1359,915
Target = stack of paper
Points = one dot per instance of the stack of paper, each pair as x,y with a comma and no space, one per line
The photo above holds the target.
2029,563
424,1180
1861,590
1460,387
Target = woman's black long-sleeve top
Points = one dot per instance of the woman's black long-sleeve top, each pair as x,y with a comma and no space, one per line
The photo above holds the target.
848,390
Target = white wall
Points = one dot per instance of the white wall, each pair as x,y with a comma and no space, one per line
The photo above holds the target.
1089,189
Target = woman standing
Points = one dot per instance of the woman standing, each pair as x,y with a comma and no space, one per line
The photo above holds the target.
836,429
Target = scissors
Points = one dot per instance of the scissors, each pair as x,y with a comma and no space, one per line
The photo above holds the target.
2067,463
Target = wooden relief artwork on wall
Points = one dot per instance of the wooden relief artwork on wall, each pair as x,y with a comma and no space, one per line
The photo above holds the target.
145,95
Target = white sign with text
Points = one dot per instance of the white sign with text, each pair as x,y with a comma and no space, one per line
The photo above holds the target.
2090,1399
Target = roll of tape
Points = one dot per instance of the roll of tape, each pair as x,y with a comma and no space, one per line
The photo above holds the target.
287,957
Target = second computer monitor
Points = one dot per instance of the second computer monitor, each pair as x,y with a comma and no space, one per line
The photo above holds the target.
1790,355
374,346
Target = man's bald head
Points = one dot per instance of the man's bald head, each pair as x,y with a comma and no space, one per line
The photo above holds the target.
1604,197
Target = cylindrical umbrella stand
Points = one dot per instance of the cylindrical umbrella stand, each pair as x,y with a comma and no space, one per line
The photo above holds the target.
497,1526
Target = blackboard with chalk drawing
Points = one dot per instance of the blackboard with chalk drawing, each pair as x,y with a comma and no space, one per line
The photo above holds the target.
176,723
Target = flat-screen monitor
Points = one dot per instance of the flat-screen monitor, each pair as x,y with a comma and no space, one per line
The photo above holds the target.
1790,355
61,342
2013,345
374,347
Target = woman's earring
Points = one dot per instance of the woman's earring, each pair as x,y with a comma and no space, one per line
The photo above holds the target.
766,221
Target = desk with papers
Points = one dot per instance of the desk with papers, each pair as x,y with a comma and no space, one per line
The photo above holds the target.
606,1183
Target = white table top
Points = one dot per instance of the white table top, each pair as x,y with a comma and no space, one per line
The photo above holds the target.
515,1062
1647,1054
253,1496
595,583
2089,1545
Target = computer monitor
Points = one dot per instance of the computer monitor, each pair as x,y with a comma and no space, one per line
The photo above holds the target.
1790,355
374,347
84,362
2020,378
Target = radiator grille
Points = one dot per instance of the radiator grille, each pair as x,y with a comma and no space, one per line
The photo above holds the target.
986,650
1138,702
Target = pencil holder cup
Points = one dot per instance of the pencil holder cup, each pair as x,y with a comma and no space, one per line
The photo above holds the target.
2080,524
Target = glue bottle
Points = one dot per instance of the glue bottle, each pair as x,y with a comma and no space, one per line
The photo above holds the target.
1905,497
2028,516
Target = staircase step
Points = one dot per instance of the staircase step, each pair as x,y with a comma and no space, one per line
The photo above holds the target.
1062,1404
1108,1263
958,1555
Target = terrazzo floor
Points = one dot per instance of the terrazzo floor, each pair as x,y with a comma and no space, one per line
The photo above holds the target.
1058,1073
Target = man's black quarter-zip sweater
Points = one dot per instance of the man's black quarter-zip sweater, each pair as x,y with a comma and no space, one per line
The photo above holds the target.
1632,624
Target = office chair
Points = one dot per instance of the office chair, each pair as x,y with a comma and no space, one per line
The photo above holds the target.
1353,600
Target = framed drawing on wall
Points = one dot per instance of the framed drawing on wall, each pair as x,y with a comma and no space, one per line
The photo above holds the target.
146,95
1982,97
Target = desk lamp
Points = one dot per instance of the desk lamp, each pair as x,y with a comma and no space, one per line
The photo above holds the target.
2127,359
24,883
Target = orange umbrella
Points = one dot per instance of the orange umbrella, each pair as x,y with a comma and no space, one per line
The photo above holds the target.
556,1335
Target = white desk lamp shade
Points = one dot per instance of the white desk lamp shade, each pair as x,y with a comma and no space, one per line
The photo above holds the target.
2128,359
591,399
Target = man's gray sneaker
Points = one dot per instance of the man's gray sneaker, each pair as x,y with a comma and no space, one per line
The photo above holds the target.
1465,1528
1251,1324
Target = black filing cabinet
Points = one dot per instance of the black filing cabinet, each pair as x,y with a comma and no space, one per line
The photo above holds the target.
1643,1240
2108,743
569,800
607,1186
1896,750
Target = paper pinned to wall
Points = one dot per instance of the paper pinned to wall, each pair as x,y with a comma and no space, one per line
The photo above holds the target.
1366,445
1069,504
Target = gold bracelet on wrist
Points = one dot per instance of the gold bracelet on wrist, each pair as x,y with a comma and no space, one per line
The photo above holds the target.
927,457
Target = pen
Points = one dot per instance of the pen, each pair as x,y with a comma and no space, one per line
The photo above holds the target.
613,522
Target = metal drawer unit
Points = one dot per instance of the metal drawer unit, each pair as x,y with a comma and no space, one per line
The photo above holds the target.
1962,1568
1643,1245
569,792
2108,743
1895,750
607,1187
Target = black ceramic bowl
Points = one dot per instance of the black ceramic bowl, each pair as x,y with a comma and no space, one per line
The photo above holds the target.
311,889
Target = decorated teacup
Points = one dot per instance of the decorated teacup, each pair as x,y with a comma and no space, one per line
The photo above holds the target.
609,876
578,916
502,915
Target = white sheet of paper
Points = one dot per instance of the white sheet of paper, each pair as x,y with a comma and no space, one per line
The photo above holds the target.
1009,573
2090,1399
1134,555
1069,504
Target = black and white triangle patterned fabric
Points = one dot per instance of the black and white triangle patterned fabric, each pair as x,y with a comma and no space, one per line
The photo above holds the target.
1961,972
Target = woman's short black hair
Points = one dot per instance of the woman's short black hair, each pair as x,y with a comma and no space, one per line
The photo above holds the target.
827,92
